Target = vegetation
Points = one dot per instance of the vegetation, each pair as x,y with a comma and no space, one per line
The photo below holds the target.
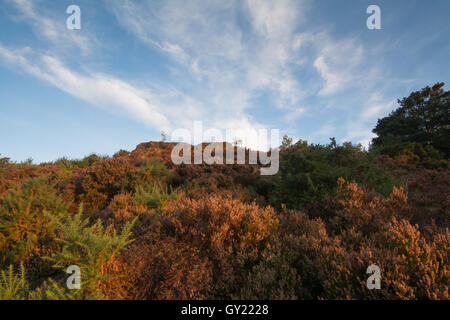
140,227
421,125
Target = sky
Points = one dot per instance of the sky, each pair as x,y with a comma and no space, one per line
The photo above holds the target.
310,68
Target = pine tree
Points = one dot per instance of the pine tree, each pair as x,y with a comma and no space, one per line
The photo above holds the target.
423,117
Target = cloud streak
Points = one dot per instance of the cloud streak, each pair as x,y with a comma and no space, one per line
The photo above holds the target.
48,28
101,90
206,40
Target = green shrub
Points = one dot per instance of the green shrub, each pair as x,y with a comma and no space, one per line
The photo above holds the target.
23,224
153,195
152,171
309,172
90,247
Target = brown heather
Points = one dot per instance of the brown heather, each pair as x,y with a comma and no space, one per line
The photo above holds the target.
224,232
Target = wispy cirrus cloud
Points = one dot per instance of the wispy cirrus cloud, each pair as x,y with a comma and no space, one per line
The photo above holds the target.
236,64
101,90
209,43
52,28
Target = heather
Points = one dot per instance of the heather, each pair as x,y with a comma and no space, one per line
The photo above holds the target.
140,227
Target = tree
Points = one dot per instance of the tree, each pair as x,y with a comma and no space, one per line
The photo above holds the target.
286,143
422,118
163,136
237,142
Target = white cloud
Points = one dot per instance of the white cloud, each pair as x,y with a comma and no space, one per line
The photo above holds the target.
275,19
54,32
205,38
375,106
334,81
360,129
294,114
164,110
101,90
327,130
359,132
340,63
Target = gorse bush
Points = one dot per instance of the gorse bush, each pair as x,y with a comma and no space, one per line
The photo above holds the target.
309,172
91,248
23,225
153,195
152,171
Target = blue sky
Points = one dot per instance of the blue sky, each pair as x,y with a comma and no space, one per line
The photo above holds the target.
309,68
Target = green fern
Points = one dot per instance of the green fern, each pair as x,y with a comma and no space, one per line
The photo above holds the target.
153,195
51,290
13,286
90,247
